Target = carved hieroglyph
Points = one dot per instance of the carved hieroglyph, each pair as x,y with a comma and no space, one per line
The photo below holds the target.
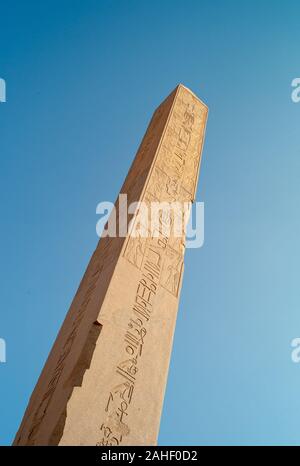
105,377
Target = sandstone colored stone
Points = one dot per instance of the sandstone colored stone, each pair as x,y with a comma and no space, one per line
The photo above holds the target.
104,380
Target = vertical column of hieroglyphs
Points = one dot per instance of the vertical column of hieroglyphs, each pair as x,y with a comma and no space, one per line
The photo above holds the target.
173,179
159,260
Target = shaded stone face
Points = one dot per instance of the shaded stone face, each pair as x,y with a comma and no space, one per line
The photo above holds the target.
104,380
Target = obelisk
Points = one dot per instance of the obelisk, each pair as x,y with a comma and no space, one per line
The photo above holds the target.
104,380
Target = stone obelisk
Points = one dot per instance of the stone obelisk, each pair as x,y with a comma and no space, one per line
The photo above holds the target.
104,380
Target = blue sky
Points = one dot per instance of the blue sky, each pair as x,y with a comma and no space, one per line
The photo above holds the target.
82,81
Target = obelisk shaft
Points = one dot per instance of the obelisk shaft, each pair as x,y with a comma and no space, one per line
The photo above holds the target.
105,378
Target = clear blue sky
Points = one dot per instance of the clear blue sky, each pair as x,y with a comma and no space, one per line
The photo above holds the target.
83,78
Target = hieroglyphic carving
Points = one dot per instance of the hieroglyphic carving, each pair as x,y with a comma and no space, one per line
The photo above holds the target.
101,258
180,152
174,173
173,178
172,271
164,170
115,426
135,250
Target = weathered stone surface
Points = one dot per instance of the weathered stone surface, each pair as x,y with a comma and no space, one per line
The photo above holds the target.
104,380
